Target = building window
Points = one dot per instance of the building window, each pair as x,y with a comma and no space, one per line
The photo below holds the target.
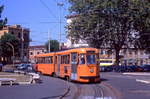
102,52
141,52
31,53
19,35
141,62
136,52
12,32
124,51
25,54
130,52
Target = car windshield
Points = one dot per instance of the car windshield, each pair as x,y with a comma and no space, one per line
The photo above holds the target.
90,59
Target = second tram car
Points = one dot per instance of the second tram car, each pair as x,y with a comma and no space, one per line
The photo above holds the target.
79,64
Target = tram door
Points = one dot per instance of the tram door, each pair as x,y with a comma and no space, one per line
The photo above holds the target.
74,66
58,67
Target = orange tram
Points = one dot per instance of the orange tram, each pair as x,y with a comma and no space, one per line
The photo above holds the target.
79,64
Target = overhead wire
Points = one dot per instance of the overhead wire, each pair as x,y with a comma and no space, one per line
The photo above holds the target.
49,10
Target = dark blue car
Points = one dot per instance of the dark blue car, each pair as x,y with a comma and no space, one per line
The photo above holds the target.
1,65
134,68
120,68
146,68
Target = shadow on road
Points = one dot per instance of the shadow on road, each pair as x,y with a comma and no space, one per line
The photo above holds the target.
103,79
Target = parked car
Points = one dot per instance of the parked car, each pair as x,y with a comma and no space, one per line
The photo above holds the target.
134,68
146,68
120,68
1,66
21,66
24,66
106,68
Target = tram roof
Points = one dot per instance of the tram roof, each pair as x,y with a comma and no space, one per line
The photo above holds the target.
79,50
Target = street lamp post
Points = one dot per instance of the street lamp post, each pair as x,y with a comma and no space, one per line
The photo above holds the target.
12,50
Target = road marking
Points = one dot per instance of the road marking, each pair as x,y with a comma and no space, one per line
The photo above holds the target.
103,98
92,97
146,74
143,81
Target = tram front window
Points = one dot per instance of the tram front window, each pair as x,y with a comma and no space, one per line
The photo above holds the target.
82,59
90,59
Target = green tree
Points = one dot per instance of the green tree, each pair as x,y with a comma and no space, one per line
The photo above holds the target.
54,45
6,49
113,24
2,21
142,24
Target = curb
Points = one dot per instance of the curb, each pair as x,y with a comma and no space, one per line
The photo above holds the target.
143,81
138,74
30,80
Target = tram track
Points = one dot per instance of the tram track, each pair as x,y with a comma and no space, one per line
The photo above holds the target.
96,91
78,91
88,91
99,92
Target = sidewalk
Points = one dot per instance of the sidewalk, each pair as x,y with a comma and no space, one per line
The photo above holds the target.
138,73
19,78
143,77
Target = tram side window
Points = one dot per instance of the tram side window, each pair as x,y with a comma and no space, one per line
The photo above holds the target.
46,59
50,60
43,60
82,59
68,59
62,59
65,59
37,60
40,60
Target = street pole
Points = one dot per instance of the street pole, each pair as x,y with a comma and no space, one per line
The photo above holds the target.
60,7
49,42
12,50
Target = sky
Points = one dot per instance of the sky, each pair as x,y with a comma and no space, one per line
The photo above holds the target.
40,16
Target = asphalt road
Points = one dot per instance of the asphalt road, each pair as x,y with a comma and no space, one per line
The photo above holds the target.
50,88
129,86
55,88
113,86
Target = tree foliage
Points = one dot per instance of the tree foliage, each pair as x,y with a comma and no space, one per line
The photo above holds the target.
113,24
2,21
54,45
6,49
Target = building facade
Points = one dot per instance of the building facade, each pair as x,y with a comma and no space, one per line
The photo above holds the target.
134,57
35,50
22,34
128,57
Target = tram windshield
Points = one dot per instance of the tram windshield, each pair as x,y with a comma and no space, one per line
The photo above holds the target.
82,59
91,59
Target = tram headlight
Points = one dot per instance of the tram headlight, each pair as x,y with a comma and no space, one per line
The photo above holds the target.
91,70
